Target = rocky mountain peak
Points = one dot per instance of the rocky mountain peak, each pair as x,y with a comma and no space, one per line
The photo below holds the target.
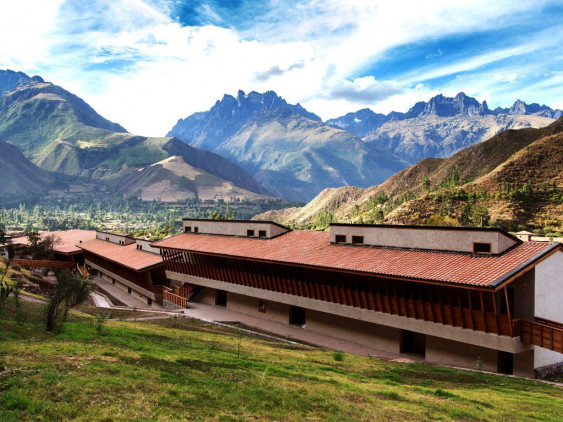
443,106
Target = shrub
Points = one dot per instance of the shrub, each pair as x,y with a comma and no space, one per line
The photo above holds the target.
338,356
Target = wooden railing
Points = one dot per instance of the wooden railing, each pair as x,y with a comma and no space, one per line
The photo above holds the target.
82,270
175,299
548,336
42,263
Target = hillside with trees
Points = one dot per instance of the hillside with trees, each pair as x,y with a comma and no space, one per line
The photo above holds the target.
513,181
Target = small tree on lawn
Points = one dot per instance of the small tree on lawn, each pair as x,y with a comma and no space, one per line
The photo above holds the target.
71,290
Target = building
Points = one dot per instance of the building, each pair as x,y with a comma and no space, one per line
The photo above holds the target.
66,244
451,295
131,264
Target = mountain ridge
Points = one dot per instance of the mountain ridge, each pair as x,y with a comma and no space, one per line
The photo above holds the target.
513,177
61,133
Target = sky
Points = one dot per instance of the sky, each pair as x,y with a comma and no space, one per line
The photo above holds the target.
147,63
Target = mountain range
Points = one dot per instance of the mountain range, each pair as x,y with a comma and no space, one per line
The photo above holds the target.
288,150
63,135
513,180
249,146
295,155
441,126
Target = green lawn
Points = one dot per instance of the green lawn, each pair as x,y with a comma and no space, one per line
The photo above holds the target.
170,370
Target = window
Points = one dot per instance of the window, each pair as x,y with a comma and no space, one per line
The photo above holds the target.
484,248
196,230
149,301
187,229
262,233
357,240
262,306
129,290
107,239
250,233
340,238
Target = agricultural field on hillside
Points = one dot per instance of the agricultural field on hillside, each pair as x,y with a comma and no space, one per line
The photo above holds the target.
178,369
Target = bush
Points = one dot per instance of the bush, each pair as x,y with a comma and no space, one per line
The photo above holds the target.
338,356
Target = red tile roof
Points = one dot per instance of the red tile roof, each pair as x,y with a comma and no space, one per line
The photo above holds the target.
68,239
314,249
128,256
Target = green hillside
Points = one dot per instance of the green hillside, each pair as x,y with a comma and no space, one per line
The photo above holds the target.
62,134
170,370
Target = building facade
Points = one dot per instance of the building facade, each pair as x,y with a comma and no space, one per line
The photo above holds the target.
450,295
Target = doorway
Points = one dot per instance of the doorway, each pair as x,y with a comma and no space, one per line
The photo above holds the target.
297,315
414,343
221,298
505,363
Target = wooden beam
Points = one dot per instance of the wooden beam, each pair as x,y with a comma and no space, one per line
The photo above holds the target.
508,312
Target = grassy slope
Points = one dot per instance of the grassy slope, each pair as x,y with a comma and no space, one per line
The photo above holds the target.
170,370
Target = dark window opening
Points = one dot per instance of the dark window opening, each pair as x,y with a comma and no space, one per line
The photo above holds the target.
187,229
112,281
262,233
340,238
196,229
297,316
250,233
221,298
149,301
262,306
129,290
484,248
505,363
357,240
414,343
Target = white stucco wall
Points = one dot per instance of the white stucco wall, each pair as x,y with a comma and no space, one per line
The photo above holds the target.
549,302
114,238
233,228
423,238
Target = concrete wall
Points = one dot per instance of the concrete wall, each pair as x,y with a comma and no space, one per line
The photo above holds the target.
549,300
205,295
275,311
454,353
233,228
423,238
372,335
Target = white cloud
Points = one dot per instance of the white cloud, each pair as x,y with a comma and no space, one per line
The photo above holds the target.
137,66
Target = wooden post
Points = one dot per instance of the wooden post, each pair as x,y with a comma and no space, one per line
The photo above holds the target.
483,311
508,311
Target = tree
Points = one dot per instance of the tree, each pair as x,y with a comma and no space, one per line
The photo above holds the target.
5,286
2,234
71,290
41,247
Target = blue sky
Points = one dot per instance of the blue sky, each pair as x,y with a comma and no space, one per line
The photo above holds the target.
146,63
